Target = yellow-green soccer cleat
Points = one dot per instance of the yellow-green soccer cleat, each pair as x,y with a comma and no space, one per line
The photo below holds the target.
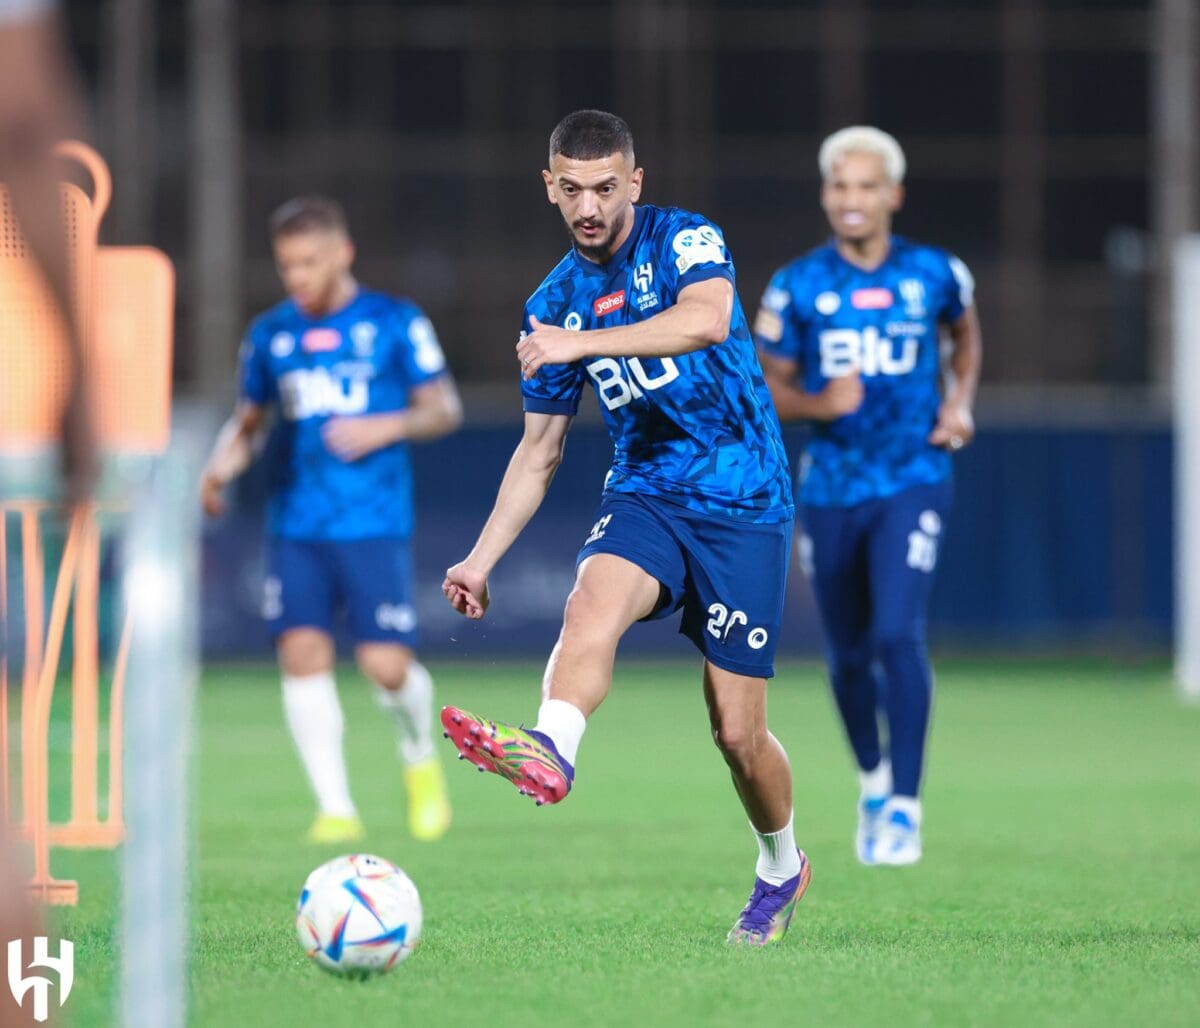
428,803
526,757
331,828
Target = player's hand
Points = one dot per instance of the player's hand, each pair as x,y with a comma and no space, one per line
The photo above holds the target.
466,590
842,396
955,426
351,439
212,494
547,344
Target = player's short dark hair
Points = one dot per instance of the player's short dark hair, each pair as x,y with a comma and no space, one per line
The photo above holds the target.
308,214
590,135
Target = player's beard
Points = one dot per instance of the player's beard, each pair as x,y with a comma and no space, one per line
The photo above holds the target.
599,252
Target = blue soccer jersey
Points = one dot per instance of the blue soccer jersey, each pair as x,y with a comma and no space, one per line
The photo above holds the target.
362,359
698,429
834,319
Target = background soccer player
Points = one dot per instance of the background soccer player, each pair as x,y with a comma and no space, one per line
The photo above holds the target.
356,375
697,508
849,340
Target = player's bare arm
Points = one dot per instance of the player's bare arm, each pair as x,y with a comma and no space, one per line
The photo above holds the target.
699,318
435,411
522,490
232,454
839,397
38,107
955,426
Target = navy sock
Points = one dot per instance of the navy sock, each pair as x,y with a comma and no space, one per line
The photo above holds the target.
907,701
856,692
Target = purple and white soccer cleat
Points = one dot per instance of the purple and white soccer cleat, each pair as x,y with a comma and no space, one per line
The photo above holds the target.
768,913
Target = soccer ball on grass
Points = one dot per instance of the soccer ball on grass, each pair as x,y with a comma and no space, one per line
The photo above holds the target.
358,915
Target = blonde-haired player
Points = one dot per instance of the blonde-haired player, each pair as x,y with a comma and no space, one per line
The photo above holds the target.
849,336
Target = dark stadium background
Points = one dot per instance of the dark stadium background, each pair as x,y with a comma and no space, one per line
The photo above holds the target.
1035,132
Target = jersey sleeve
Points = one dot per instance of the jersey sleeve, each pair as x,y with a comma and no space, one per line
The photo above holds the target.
255,382
695,251
960,290
418,352
779,325
556,388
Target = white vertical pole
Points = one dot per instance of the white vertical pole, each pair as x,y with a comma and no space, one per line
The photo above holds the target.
1187,464
1175,156
160,585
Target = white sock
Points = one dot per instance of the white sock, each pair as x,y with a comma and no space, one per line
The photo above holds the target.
878,783
564,723
412,709
314,716
778,859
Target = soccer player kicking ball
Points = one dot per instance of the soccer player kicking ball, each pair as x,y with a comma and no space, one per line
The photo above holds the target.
849,341
356,376
697,508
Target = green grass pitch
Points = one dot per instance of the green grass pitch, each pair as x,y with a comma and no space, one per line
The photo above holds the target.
1061,883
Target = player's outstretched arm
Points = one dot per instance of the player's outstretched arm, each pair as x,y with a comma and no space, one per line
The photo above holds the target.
955,426
434,411
231,454
698,318
522,490
839,397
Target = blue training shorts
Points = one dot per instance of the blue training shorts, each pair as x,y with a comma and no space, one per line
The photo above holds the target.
872,565
308,581
728,576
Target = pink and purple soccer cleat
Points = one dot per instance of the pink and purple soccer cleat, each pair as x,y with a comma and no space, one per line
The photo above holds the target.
526,757
768,913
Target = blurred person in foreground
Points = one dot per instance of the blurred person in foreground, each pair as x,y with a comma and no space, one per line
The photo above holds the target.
697,508
38,107
18,922
849,338
356,376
